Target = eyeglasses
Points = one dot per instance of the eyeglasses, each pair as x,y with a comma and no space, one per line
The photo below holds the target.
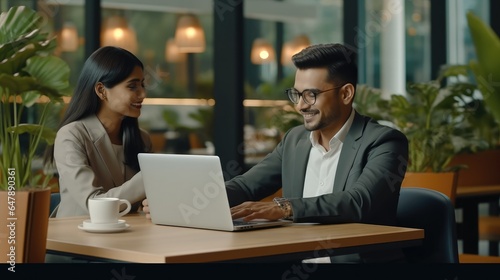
308,95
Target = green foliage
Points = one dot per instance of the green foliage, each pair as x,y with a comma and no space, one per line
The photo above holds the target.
274,90
487,67
281,118
485,126
284,118
440,118
433,117
368,101
28,71
205,118
171,117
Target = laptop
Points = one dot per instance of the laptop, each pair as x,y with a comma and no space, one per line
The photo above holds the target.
189,191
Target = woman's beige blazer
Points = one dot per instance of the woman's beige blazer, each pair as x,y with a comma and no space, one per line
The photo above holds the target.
88,167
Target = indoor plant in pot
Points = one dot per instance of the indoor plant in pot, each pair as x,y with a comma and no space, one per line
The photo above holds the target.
486,72
481,164
482,170
432,115
29,75
486,68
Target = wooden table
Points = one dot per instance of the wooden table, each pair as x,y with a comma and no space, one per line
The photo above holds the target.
468,199
144,242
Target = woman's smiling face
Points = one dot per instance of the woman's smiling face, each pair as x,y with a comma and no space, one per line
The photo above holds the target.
126,97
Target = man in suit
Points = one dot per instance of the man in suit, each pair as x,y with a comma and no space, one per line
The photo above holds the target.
338,167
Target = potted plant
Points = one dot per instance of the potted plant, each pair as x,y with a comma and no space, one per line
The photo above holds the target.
481,162
487,67
482,167
29,73
433,115
486,71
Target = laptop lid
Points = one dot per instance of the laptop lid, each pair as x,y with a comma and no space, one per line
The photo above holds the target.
189,191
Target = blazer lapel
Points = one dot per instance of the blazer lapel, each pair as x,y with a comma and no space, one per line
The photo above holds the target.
104,149
299,173
349,150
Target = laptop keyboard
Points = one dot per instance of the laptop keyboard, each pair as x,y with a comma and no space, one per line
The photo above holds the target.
242,223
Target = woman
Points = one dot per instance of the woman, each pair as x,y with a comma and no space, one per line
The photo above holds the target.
96,146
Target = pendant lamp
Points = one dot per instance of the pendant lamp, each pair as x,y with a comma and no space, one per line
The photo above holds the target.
117,33
298,43
262,52
68,40
189,35
172,53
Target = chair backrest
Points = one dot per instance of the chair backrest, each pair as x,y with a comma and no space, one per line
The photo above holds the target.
55,198
432,211
444,182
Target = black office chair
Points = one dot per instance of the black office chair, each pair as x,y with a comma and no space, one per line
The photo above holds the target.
55,199
433,212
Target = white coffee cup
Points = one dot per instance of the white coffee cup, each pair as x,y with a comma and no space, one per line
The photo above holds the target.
106,210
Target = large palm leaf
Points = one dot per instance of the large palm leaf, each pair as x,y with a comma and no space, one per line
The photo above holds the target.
28,70
487,66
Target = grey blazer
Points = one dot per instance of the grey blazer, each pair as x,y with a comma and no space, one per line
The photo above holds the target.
371,167
88,167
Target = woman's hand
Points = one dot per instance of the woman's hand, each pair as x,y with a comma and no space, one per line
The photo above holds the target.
145,208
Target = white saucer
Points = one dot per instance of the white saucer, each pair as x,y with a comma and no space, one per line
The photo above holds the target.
103,228
88,224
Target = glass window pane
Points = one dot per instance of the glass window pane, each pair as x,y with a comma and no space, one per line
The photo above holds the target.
460,47
411,37
266,121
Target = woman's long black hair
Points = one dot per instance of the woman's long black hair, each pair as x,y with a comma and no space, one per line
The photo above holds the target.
110,66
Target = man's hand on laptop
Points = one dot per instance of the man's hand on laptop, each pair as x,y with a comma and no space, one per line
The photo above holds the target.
145,208
257,210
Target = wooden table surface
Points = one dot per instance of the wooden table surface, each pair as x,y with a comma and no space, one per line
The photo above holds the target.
472,191
145,242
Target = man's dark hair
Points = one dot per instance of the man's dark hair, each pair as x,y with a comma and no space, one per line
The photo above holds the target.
340,61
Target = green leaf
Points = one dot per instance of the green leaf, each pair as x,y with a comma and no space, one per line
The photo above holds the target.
47,134
487,70
20,26
49,76
16,21
28,69
368,101
30,98
20,85
17,61
51,72
17,84
452,71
